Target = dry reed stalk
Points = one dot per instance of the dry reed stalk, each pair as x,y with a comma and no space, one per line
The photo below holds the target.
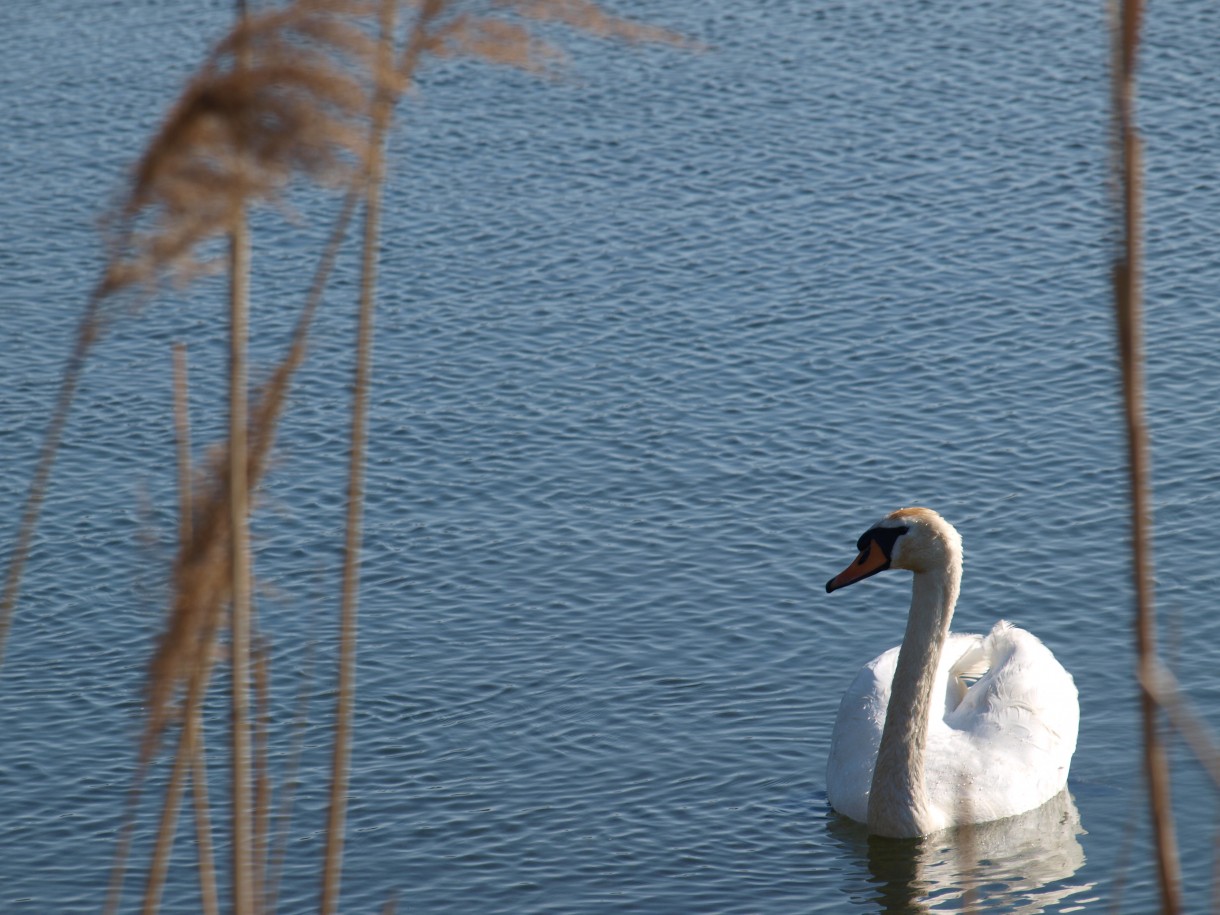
87,333
189,752
182,448
283,815
1160,682
239,568
206,863
114,892
230,137
237,134
496,41
383,106
123,845
243,869
262,777
263,108
188,758
182,441
193,719
1128,305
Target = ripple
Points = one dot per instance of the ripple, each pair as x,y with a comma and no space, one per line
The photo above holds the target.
656,342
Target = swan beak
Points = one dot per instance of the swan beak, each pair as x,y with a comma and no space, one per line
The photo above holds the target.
872,559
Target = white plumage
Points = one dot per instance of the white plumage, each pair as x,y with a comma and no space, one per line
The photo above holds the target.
985,727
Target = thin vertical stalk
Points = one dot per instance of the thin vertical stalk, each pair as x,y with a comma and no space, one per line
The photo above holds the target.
192,722
87,333
203,821
340,763
262,778
182,443
188,756
239,624
114,893
1167,693
187,752
288,785
1128,308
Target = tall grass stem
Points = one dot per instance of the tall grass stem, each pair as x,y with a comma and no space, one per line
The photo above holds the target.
87,332
239,624
383,105
193,718
1128,311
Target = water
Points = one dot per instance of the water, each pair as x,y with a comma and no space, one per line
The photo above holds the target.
655,344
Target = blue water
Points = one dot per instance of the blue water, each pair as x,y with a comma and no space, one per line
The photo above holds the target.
656,342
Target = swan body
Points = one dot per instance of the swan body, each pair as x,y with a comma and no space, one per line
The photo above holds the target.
946,728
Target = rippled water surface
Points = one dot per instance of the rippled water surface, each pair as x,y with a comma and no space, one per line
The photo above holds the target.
656,342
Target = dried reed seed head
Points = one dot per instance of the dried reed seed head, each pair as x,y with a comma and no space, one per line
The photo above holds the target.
202,570
285,93
332,24
587,16
201,582
202,575
496,41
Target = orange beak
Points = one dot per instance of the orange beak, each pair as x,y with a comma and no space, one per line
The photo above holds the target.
872,559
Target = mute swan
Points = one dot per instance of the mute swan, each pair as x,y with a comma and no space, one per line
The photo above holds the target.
917,747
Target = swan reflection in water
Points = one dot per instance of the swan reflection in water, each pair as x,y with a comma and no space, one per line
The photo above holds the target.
1022,864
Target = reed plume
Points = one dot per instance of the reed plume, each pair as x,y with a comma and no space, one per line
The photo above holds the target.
236,135
284,94
297,104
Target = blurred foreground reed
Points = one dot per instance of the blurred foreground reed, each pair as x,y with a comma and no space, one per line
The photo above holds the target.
307,91
1159,695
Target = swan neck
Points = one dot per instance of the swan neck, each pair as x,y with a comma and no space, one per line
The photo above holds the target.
898,800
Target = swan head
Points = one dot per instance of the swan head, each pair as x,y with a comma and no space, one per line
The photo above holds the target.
917,539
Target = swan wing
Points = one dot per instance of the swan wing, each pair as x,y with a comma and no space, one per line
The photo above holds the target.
1001,746
857,735
964,661
1006,745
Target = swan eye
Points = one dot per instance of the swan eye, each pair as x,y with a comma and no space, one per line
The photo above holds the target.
884,537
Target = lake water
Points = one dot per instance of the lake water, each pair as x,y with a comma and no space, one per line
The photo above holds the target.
656,343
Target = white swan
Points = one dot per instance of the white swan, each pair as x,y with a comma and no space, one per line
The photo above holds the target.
946,728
